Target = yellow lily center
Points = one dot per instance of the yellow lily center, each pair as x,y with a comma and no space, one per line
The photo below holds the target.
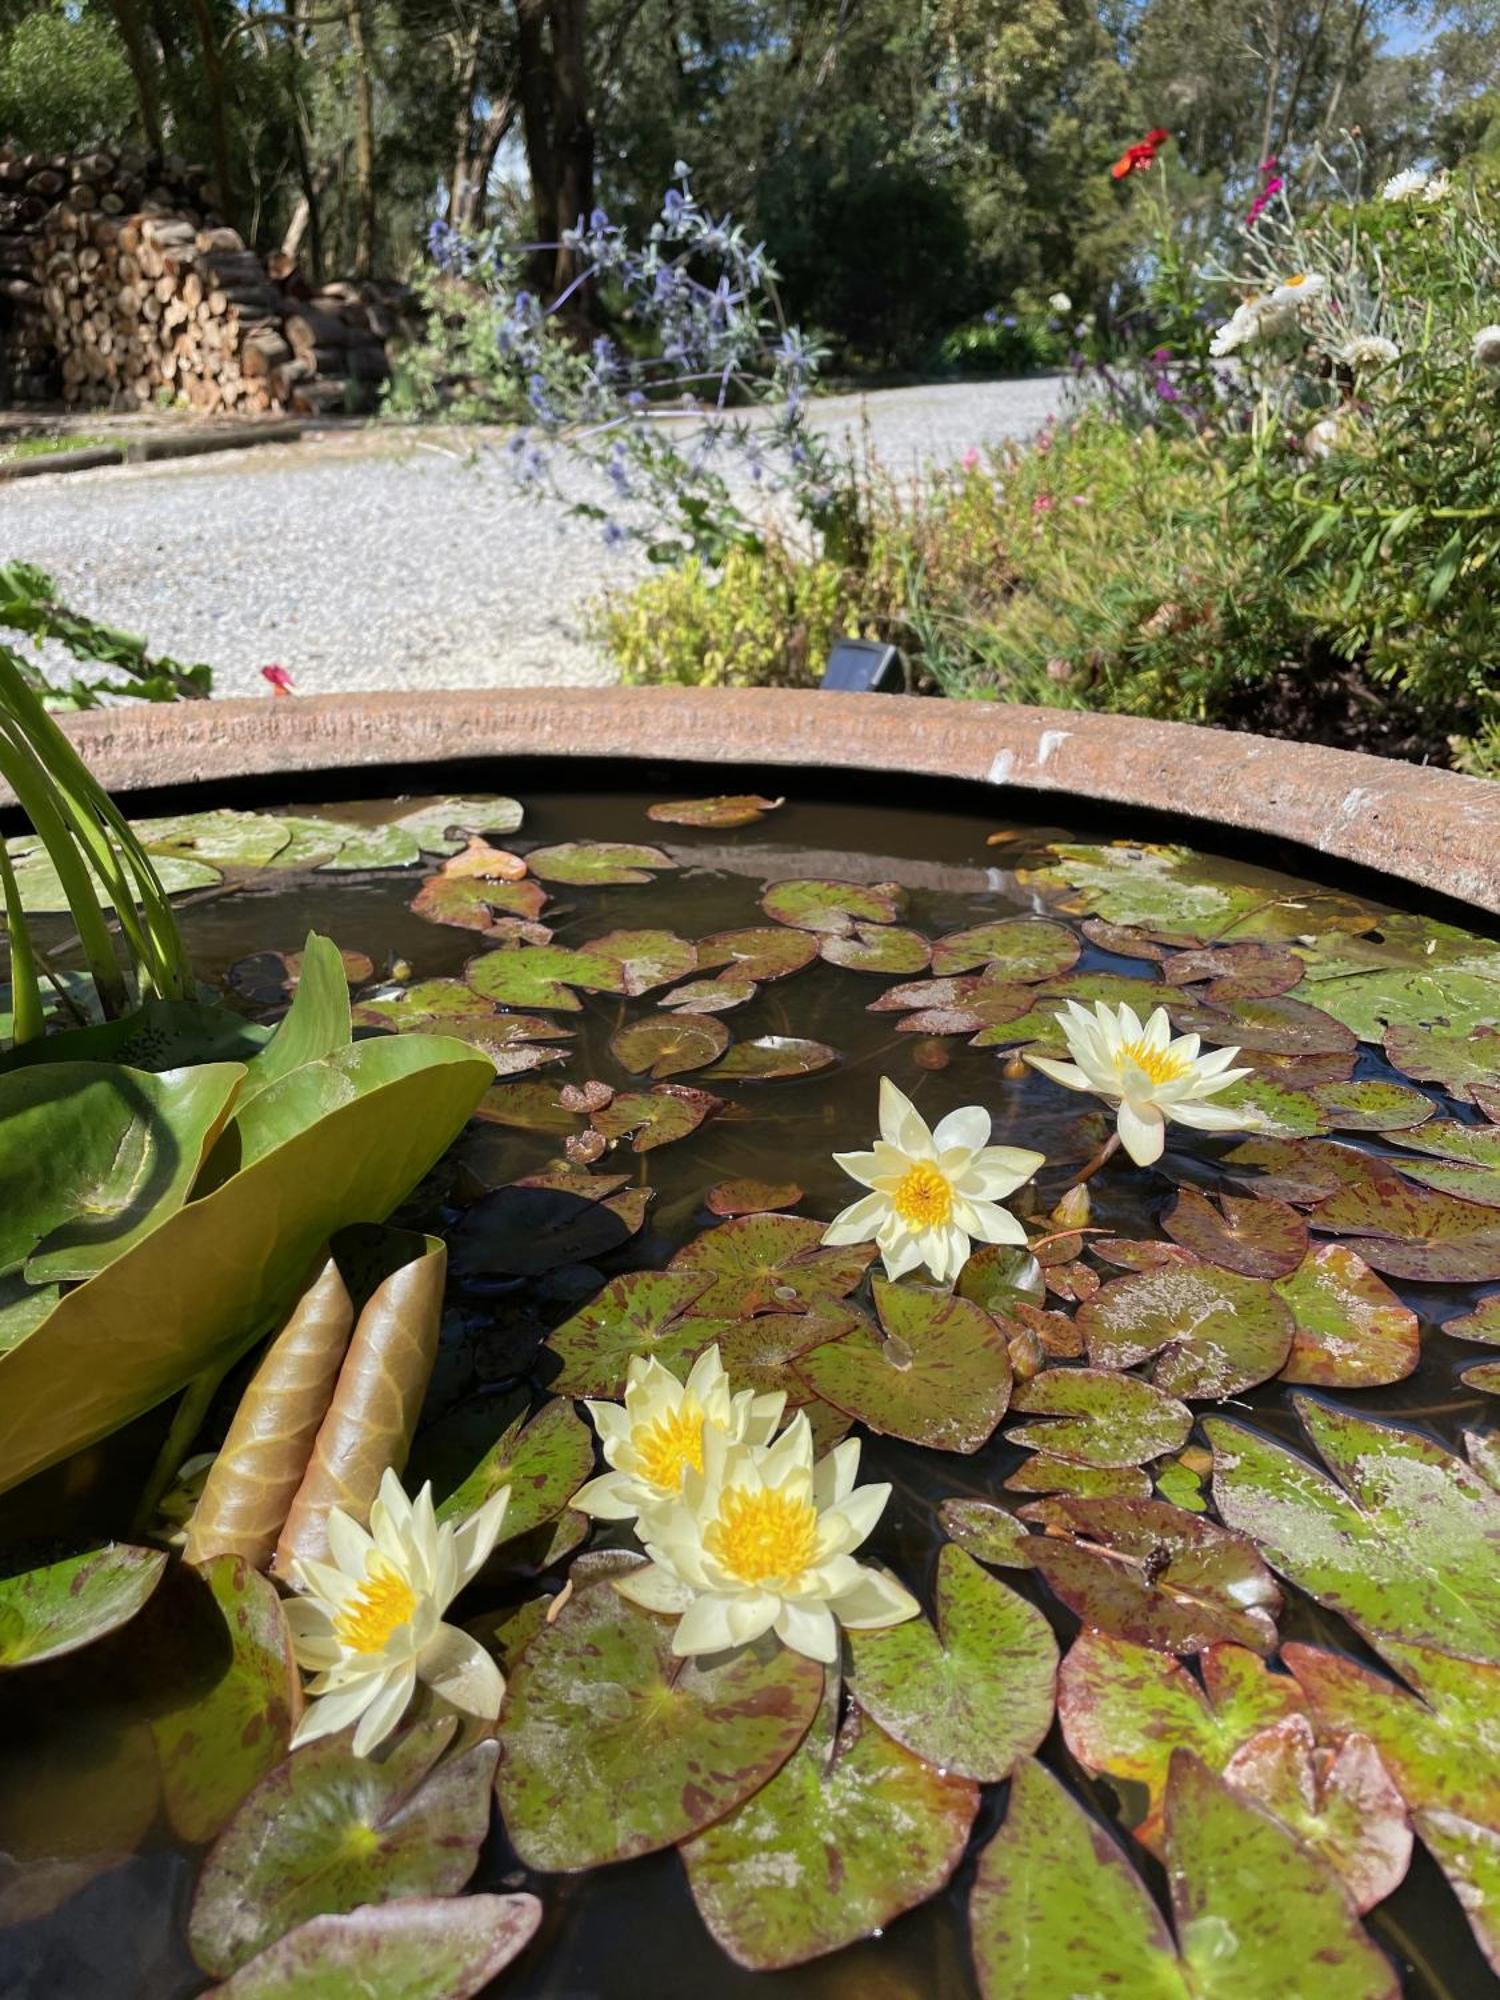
383,1601
761,1537
1157,1063
666,1449
923,1197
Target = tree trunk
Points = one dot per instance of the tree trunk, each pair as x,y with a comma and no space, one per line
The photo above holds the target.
364,141
463,125
502,115
534,84
572,133
218,109
142,69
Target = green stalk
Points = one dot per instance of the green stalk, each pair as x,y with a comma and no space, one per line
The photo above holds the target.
27,1013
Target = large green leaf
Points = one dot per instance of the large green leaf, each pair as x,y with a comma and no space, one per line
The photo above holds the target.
1351,1330
420,1948
221,1269
1104,1418
643,1312
1405,1547
972,1696
852,1831
162,1035
1221,1332
543,1462
54,1610
613,1747
315,1026
96,1156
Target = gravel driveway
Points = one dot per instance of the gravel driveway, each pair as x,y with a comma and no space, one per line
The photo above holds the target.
373,559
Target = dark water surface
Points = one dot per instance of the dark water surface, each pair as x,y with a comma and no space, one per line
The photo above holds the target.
74,1744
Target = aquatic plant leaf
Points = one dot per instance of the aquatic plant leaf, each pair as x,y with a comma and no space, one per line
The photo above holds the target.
47,1612
545,1222
1266,1106
1461,1062
419,1948
1484,1375
832,907
543,1462
1019,948
528,1107
597,863
220,838
1279,1026
1259,1239
772,1056
1372,1104
1105,1418
1448,1139
1042,1473
643,1313
372,1414
646,958
42,893
762,1353
1392,1000
1124,1709
326,1832
940,1377
1403,1546
749,1197
1189,898
543,975
96,1156
1415,1233
361,847
1001,1276
758,954
1038,1020
162,1035
78,1792
852,1831
315,1027
1457,1177
443,826
159,1314
440,999
1481,1324
984,1530
677,1745
1350,1331
1057,1911
256,1472
224,1738
736,809
1303,1171
876,948
710,996
1147,1571
1221,1332
770,1263
972,1696
668,1044
1469,1856
479,903
1235,971
657,1117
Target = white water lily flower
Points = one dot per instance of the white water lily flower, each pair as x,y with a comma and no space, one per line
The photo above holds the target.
1405,186
1487,347
1152,1078
762,1540
1297,291
1369,350
931,1191
369,1624
656,1438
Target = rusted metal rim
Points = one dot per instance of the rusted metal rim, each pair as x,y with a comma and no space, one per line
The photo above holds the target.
1433,829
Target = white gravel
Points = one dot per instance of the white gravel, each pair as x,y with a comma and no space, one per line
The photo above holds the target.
375,559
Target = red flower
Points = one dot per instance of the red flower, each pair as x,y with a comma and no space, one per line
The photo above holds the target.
1141,154
280,679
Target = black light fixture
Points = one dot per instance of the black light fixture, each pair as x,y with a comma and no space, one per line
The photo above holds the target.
864,666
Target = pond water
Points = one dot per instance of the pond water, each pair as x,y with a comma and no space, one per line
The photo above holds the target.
96,1900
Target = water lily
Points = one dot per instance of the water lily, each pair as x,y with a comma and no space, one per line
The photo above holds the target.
1153,1078
931,1191
369,1625
656,1438
762,1539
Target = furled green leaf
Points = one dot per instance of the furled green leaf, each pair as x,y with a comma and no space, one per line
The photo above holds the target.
597,862
831,907
315,1027
543,1462
419,1948
643,1312
676,1745
1351,1331
56,1609
1221,1332
1105,1418
770,1263
668,1044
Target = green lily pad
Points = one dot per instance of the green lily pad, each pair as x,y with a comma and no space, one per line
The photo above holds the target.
543,975
1481,1324
658,1749
1265,1106
737,809
1350,1330
1019,948
1484,1376
42,893
1278,1026
444,826
1001,1276
420,1948
1042,1473
1461,1062
668,1044
221,839
1372,1105
1147,1571
362,847
1469,1856
1038,1021
750,1197
988,1532
1456,1177
1404,1546
1222,1333
940,1377
1443,999
47,1612
477,903
643,1313
326,1832
1415,1233
758,954
876,948
773,1056
543,1462
1105,1418
710,996
646,958
596,863
527,1107
852,1831
832,907
227,1736
1448,1139
762,1353
658,1117
770,1263
972,1696
1259,1239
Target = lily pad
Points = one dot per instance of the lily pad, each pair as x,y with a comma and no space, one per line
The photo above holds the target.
940,1377
652,1118
1279,1026
420,1948
832,907
597,863
988,1532
543,975
643,1313
1019,948
646,958
762,1353
769,1057
1457,1177
1001,1276
1461,1062
327,1831
1481,1324
736,809
770,1263
1415,1233
1372,1105
221,839
479,903
1042,1473
1222,1333
877,948
669,1044
1264,1105
852,1831
47,1612
972,1696
543,1462
545,1222
361,847
758,954
1105,1418
657,1748
42,893
527,1107
710,996
749,1197
443,826
1259,1239
1350,1330
1235,971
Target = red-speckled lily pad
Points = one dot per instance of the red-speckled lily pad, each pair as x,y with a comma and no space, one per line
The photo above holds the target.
1415,1233
676,1745
597,863
652,1118
543,1461
758,954
832,907
1019,948
1235,971
710,996
1448,1139
988,1532
478,903
747,1197
47,1612
668,1044
640,1313
1043,1473
770,1263
1104,1418
736,809
1351,1331
646,958
1481,1324
420,1948
1460,1063
1279,1026
972,1696
1221,1332
543,975
1259,1239
1372,1105
852,1831
876,948
769,1057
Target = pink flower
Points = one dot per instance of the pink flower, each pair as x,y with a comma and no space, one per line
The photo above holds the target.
1042,504
280,679
970,459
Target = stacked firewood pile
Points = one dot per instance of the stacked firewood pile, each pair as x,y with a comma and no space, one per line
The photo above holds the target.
124,288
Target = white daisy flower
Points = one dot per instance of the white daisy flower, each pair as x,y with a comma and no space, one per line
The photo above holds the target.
1242,326
1060,302
1487,347
656,1438
1152,1078
369,1624
1438,188
1369,350
1405,186
762,1540
1297,291
931,1191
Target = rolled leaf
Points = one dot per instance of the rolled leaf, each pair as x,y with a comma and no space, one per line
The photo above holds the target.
373,1413
253,1481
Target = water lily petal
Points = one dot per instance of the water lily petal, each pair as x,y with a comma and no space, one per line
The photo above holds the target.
713,1624
457,1667
655,1588
901,1124
862,1167
859,1221
1066,1073
968,1127
810,1629
1143,1132
385,1710
874,1600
